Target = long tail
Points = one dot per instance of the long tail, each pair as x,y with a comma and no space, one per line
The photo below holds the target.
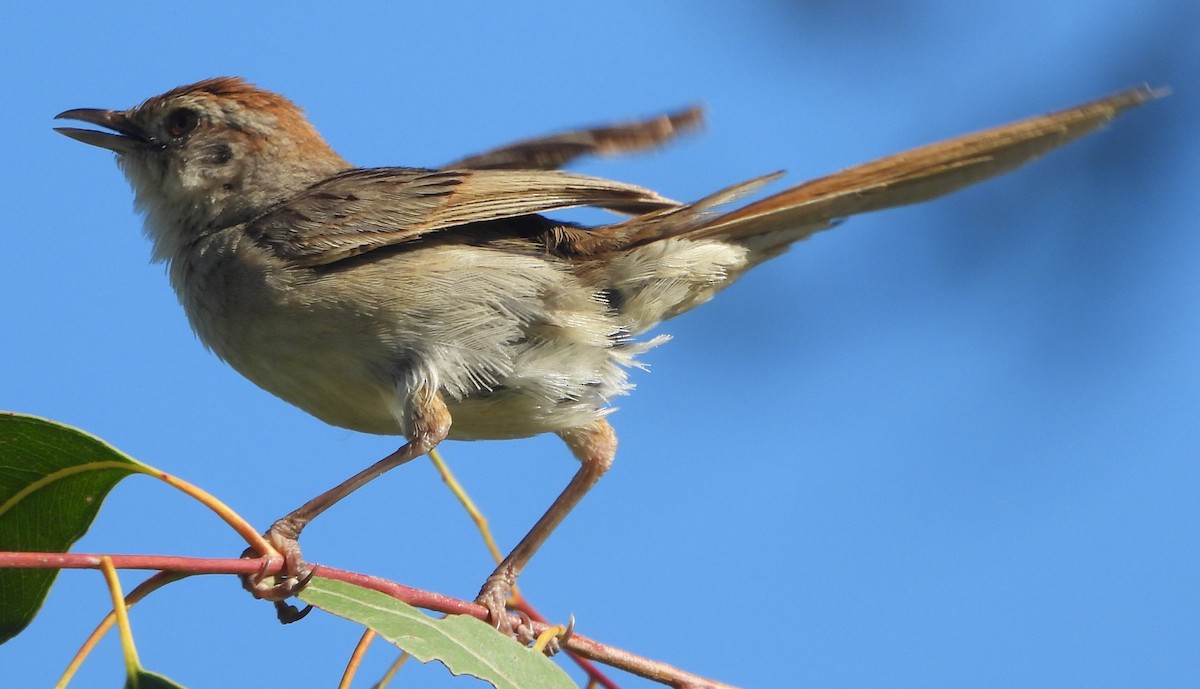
666,262
919,174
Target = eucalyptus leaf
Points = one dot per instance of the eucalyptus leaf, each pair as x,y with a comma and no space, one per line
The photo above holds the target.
465,645
53,479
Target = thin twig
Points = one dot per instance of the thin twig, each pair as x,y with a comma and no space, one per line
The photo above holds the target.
588,648
356,657
138,593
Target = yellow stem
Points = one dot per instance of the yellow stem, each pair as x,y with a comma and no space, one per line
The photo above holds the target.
360,650
481,522
391,671
233,519
132,665
138,593
548,633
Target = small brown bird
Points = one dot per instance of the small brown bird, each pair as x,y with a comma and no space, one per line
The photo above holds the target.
440,304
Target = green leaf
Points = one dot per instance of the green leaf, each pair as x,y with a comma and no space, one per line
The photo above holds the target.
52,481
465,645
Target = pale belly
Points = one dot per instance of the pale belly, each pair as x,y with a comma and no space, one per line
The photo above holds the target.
505,368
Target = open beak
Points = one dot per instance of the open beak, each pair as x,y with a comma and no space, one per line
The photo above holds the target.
128,135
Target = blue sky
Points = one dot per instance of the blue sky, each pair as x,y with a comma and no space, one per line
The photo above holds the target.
947,445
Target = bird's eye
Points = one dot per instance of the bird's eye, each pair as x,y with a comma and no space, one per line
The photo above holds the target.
181,121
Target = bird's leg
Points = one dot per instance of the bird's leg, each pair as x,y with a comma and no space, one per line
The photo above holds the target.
430,425
594,446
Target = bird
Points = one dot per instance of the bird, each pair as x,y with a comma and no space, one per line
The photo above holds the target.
446,303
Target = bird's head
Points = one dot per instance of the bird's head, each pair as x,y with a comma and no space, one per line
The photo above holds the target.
209,155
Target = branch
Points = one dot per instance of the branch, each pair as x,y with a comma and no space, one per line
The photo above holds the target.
588,648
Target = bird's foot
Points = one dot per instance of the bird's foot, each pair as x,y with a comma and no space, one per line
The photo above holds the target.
296,574
494,596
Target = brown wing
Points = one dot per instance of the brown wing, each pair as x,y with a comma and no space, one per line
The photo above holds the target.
550,152
362,210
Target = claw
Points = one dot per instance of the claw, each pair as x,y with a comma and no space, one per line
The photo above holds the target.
279,587
524,630
254,582
494,596
565,636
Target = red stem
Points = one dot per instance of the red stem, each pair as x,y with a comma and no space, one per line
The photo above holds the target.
577,644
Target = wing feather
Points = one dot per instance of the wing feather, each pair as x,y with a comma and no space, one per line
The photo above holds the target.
362,210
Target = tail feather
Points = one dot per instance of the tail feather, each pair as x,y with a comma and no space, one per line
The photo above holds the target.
670,260
919,174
